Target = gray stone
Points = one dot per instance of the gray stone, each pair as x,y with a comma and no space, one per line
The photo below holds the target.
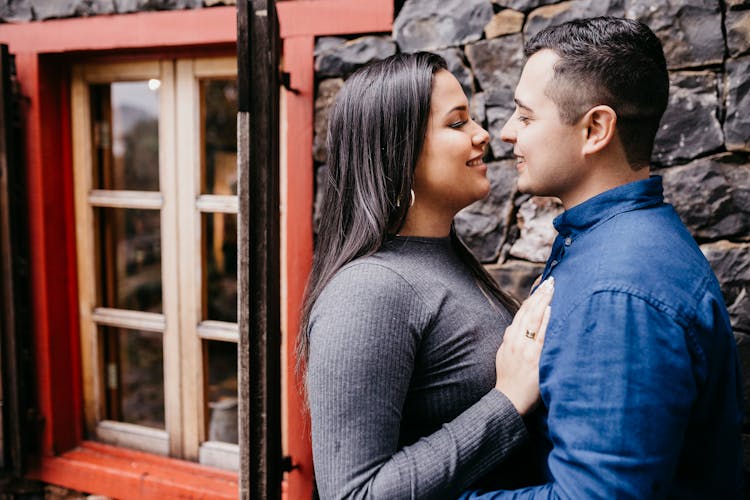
690,30
516,276
482,224
731,263
523,5
737,122
70,8
497,63
124,6
738,32
343,59
327,43
455,59
537,232
505,22
690,126
499,108
321,177
566,11
477,105
497,116
327,92
712,196
16,11
436,24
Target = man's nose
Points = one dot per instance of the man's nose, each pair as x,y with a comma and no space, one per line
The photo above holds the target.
508,132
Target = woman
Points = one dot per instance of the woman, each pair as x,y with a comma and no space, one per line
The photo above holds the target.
401,324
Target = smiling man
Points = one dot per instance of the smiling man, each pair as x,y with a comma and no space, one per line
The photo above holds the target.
639,375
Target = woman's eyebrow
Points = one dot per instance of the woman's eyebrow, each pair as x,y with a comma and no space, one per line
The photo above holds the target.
461,107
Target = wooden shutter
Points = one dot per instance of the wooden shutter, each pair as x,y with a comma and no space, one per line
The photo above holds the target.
15,313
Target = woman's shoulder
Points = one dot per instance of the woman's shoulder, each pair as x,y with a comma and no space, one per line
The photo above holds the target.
370,276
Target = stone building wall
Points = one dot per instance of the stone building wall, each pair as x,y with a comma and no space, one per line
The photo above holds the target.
702,150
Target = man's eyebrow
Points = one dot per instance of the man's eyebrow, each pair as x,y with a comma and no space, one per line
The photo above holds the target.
520,104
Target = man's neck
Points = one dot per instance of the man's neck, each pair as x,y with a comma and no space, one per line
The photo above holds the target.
602,179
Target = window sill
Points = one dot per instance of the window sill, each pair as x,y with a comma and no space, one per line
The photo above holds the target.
119,473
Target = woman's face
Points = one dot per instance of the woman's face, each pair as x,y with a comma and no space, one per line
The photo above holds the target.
450,173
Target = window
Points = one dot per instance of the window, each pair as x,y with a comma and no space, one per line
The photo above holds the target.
154,158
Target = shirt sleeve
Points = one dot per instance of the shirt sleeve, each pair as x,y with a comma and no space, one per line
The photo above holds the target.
364,337
618,381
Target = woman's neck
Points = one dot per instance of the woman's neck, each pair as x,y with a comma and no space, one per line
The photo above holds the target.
420,222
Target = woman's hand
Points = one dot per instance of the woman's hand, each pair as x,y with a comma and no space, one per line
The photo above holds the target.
517,360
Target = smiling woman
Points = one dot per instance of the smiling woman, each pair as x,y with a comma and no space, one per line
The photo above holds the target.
401,325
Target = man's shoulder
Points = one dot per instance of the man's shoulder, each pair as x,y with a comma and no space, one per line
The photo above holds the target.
649,254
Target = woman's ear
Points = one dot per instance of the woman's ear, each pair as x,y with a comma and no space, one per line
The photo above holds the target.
599,125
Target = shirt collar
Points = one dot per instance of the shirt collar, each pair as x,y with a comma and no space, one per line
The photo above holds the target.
604,206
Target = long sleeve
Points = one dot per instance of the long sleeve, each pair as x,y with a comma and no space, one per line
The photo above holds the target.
619,384
366,330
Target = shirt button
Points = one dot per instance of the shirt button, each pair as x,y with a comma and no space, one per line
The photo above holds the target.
553,263
568,241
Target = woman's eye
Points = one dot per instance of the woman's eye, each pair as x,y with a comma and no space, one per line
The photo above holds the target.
457,124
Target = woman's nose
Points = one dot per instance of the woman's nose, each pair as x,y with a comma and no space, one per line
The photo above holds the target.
481,137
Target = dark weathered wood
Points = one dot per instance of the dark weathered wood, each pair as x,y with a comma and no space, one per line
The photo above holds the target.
259,268
15,316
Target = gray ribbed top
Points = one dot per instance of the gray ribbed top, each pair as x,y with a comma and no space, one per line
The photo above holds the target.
401,377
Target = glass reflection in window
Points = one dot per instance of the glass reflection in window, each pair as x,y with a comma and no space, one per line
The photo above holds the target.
125,128
134,376
219,237
130,258
221,390
219,136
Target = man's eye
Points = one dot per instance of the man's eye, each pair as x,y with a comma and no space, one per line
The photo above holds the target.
522,119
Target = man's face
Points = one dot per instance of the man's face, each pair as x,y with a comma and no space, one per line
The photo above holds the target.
549,152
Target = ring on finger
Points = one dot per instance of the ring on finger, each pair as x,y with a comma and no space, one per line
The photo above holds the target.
530,334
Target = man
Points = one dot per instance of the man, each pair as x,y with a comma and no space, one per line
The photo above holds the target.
639,375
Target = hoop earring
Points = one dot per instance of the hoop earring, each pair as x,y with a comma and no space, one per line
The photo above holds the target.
411,202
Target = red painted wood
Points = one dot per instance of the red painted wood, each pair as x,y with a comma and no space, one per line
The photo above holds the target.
179,28
119,473
334,17
66,166
27,68
298,61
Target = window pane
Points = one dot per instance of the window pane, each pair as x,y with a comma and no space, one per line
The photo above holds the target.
221,393
134,376
129,258
125,123
219,135
219,266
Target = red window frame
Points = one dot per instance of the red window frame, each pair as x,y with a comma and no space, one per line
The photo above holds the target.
44,51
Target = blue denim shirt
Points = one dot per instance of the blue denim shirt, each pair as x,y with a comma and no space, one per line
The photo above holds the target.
639,374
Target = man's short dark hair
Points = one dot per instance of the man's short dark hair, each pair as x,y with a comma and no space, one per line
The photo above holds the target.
612,61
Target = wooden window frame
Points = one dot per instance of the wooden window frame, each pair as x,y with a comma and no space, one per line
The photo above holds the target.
44,52
181,205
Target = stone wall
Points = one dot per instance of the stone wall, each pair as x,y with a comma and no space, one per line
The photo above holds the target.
702,150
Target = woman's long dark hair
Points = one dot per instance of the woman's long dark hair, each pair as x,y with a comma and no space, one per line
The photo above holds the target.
376,130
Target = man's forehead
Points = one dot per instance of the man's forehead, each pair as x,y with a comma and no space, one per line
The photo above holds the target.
541,64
